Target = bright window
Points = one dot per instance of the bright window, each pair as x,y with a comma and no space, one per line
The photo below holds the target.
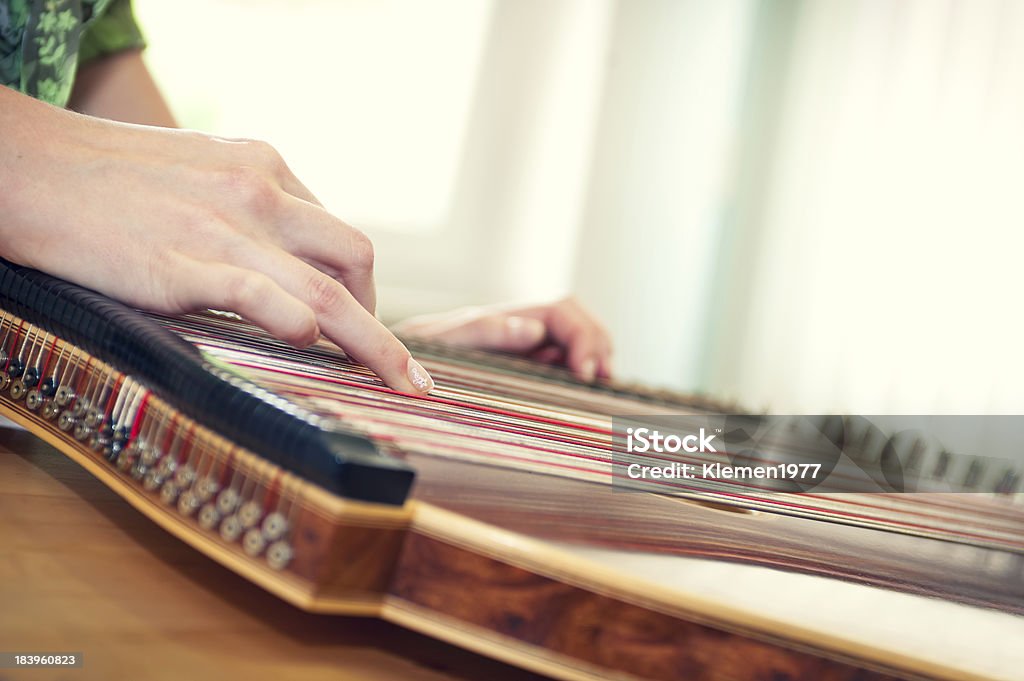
366,99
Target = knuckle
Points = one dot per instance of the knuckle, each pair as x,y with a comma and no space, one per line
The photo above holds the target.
362,250
254,191
245,289
324,294
266,155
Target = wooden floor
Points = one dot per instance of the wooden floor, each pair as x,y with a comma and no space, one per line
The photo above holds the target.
80,571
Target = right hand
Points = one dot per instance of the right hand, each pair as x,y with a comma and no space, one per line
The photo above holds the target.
175,220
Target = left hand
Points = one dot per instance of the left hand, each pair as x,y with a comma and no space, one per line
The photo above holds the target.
562,332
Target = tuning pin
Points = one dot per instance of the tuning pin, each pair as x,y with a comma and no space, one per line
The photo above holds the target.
34,399
82,431
66,421
31,377
274,526
18,389
253,542
188,503
231,528
279,554
48,387
227,501
250,514
169,493
209,517
63,396
153,480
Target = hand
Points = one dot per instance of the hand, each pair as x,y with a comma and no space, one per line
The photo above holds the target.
561,332
174,220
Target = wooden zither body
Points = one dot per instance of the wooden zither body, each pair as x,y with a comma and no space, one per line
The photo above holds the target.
483,514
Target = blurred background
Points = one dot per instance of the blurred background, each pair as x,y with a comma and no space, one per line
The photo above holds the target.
806,206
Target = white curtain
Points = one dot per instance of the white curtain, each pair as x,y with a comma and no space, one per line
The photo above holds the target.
882,258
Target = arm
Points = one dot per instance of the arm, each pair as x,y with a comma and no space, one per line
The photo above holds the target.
119,87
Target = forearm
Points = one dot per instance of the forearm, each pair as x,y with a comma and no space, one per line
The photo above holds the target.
119,87
27,130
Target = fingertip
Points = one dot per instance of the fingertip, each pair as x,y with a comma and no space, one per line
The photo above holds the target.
588,370
418,377
311,338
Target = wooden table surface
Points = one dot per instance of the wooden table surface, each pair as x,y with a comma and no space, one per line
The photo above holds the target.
81,571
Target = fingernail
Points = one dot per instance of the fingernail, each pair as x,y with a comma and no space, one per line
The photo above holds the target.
588,369
419,377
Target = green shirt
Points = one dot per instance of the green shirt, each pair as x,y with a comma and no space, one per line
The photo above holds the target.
43,42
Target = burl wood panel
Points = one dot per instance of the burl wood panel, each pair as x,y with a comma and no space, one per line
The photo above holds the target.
596,629
342,559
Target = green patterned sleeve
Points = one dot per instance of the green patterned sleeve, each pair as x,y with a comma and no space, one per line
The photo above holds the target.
113,31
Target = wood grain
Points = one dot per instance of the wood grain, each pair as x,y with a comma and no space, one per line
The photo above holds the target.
80,570
600,631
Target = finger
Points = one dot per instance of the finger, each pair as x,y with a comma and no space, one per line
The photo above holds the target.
549,354
581,337
495,332
342,319
315,235
252,295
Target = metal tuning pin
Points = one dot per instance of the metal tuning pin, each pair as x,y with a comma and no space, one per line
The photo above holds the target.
82,431
249,514
209,517
153,480
279,554
79,408
139,470
63,396
253,542
166,466
18,389
16,368
231,528
93,417
206,488
125,460
34,399
188,503
275,525
169,493
184,476
50,410
227,501
66,421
